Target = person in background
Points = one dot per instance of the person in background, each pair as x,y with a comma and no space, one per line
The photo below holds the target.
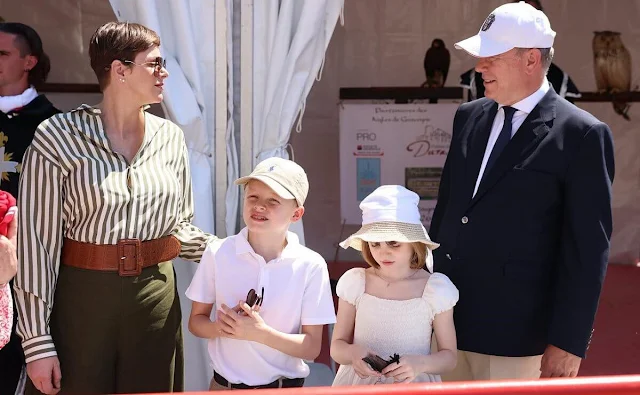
8,267
24,67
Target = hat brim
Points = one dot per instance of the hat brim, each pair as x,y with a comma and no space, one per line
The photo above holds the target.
271,183
482,47
389,231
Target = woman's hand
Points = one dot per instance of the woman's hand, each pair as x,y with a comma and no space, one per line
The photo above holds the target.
45,374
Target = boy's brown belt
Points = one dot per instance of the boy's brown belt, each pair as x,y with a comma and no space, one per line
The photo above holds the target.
128,257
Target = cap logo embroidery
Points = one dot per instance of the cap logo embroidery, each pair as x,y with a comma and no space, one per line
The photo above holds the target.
488,22
272,168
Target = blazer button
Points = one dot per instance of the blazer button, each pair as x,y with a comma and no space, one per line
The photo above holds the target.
464,219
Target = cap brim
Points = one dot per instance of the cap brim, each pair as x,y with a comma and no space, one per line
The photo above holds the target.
271,183
482,47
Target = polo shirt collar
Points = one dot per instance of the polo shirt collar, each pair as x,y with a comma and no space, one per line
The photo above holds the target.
243,246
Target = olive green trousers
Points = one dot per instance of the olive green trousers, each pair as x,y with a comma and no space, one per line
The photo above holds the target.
117,334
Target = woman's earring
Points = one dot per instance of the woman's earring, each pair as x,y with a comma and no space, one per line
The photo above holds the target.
121,79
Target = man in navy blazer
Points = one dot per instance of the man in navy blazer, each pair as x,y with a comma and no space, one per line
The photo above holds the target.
524,210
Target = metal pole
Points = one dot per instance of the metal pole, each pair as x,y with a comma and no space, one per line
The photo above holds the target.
246,89
221,116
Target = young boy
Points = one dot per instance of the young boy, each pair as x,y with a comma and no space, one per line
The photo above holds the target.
263,345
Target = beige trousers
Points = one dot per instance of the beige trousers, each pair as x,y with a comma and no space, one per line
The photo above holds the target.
474,366
214,386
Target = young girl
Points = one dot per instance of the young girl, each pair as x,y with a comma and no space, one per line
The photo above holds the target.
391,307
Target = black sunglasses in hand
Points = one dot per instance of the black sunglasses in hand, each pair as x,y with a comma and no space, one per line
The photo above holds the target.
253,299
378,364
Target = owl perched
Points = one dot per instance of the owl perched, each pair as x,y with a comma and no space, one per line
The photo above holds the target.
612,67
436,64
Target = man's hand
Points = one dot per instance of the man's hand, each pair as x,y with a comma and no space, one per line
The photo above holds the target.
559,363
45,375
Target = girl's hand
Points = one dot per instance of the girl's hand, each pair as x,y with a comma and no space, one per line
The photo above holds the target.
362,369
405,371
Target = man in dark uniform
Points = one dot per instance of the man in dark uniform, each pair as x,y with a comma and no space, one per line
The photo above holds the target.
23,67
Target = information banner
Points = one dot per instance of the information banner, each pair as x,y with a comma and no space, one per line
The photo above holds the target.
401,144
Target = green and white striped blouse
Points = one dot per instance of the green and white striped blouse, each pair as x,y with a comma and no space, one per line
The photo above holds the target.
74,185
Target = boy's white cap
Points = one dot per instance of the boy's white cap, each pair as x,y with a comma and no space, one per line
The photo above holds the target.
390,213
512,25
285,177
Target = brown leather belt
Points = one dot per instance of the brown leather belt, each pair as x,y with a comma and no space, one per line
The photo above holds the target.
128,257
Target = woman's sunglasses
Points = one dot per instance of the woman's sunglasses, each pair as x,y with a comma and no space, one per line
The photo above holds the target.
158,64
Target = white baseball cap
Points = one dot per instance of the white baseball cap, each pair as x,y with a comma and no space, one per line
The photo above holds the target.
285,177
512,25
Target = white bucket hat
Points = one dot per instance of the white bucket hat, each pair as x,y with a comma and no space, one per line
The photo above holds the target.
390,213
512,25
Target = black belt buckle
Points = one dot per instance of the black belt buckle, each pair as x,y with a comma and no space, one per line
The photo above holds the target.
130,263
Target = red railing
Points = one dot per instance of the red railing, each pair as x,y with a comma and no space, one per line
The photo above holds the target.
603,385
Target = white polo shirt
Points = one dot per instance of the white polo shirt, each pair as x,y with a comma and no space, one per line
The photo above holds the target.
296,292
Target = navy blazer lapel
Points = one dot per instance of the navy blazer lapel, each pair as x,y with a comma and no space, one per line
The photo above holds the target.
476,144
533,130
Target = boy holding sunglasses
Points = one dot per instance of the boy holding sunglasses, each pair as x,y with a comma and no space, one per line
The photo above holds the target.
279,288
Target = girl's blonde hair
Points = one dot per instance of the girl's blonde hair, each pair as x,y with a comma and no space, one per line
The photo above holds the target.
418,258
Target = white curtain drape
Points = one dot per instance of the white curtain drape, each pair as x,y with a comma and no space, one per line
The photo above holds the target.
187,30
290,40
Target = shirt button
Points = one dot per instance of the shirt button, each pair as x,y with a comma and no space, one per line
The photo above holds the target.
464,219
448,256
